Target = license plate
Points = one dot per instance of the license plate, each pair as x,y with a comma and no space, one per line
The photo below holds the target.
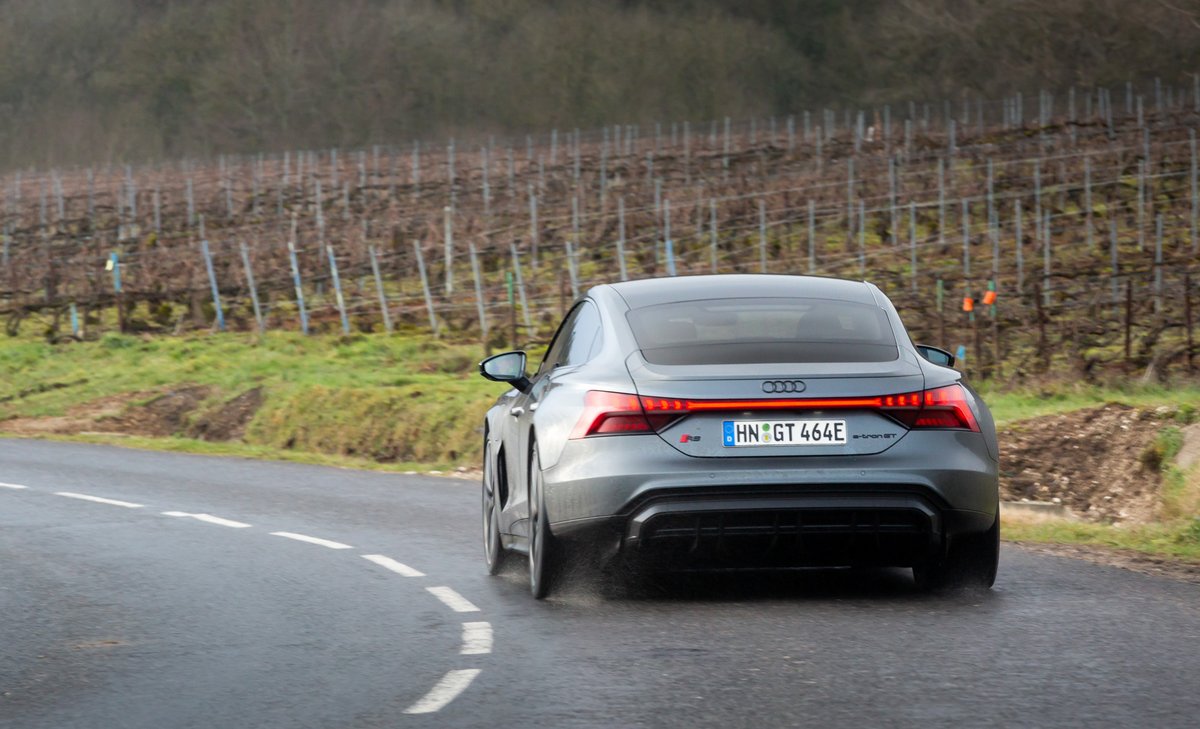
739,433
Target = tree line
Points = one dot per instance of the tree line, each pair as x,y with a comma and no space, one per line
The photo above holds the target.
95,81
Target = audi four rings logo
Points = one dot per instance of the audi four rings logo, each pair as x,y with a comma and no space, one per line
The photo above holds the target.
780,386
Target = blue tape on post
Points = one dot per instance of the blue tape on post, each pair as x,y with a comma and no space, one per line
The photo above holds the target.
961,354
212,280
115,260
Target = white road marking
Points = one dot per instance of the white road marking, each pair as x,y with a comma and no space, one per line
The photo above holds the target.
476,638
453,600
209,519
445,691
311,540
98,499
388,563
12,486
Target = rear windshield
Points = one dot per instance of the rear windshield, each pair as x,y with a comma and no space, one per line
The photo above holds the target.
757,331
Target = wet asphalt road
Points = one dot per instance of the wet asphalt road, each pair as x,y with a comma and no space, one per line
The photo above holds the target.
117,615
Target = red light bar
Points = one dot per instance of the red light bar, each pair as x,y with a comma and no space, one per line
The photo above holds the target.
656,404
613,413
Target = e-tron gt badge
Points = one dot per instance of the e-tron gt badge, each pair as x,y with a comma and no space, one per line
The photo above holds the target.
778,387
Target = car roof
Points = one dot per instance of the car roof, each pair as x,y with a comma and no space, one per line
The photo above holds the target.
653,291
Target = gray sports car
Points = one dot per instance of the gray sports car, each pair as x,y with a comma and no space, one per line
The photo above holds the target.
740,421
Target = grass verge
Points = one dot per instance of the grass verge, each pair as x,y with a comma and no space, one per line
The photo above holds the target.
1013,404
412,403
397,401
1178,538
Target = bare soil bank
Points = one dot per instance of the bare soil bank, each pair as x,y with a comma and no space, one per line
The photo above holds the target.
1099,462
184,411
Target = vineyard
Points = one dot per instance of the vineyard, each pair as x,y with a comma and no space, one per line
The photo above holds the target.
1054,232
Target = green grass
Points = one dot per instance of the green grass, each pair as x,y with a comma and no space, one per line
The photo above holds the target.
399,400
231,362
1178,539
1010,405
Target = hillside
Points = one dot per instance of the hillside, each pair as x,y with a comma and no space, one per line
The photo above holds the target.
109,81
1080,211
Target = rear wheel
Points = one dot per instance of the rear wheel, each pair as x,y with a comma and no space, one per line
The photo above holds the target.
493,550
971,562
542,553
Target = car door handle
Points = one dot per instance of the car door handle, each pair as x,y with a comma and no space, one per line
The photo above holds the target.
517,412
533,406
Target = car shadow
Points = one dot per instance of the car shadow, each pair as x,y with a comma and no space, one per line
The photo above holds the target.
871,584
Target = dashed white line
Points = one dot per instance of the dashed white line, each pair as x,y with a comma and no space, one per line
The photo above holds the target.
209,519
12,486
98,499
388,563
444,691
312,540
453,600
476,638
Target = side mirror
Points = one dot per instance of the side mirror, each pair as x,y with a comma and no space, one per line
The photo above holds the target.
935,355
508,367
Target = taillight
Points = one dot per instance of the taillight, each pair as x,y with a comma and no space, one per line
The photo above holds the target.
946,407
615,413
610,413
905,408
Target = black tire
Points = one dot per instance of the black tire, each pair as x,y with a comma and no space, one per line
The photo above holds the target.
494,554
543,561
971,562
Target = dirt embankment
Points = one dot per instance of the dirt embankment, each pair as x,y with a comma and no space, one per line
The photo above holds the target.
229,421
1100,462
191,411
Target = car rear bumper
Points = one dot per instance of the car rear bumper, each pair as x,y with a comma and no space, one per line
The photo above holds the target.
637,495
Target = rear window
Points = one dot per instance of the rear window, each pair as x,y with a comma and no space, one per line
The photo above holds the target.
759,331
